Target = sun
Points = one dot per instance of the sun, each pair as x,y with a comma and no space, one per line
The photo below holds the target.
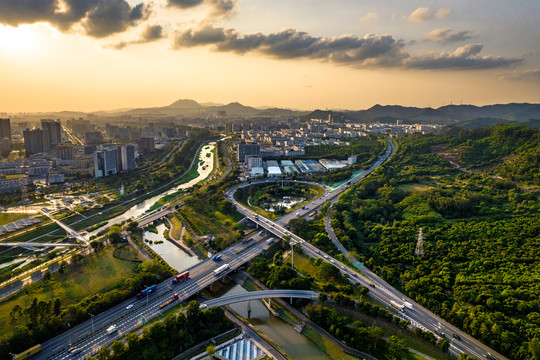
19,41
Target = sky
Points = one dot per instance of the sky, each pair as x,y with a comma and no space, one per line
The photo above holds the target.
90,55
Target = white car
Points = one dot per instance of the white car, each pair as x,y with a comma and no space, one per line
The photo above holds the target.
129,306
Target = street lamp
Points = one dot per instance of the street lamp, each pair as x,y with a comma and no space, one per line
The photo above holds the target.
92,319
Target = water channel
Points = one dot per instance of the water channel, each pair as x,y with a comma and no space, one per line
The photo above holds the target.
296,345
286,202
204,168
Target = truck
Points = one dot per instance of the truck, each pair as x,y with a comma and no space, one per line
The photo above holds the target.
170,301
398,306
111,329
270,241
217,258
145,292
408,305
180,277
244,241
257,217
221,269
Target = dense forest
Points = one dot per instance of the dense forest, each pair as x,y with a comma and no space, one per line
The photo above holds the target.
475,195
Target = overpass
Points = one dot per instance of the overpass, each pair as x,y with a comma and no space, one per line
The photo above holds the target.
258,295
72,233
160,215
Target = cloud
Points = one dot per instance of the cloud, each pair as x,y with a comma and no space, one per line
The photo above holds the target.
464,58
446,36
369,51
532,75
218,8
98,18
149,34
294,44
424,14
370,16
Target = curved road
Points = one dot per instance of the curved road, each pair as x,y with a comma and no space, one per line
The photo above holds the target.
258,295
379,289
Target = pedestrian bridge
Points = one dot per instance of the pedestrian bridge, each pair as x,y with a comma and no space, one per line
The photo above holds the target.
258,295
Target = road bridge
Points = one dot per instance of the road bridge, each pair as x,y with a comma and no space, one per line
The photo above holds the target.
258,295
72,233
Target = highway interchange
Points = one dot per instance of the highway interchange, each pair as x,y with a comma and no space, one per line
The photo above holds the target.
90,335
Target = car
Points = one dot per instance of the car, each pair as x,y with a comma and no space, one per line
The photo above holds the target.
326,256
129,306
203,306
456,336
343,267
332,261
372,285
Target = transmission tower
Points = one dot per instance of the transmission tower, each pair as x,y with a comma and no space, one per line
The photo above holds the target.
419,251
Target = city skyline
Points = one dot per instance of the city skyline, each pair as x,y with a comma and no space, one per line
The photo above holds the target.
110,54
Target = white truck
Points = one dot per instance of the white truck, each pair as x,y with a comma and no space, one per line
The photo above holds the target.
408,305
111,329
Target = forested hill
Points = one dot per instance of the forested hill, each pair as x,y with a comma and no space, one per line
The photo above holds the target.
475,195
507,150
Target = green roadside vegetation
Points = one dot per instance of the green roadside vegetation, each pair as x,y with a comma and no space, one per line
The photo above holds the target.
261,196
92,283
176,227
474,193
322,276
170,337
6,218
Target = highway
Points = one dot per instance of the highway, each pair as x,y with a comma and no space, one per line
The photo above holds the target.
89,337
379,289
258,295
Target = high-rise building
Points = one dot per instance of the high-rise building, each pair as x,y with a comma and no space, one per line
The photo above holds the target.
105,163
146,145
36,141
5,129
252,149
64,154
126,154
54,131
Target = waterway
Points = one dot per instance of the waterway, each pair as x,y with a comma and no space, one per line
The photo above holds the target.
204,168
286,202
296,345
172,254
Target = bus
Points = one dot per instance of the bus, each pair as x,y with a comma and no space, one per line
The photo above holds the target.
221,269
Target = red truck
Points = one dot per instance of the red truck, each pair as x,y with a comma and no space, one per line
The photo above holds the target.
180,277
170,301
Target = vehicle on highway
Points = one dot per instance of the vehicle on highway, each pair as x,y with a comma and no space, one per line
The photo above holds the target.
397,305
111,329
221,269
170,301
74,351
180,277
145,292
456,336
129,306
332,261
203,306
408,305
325,256
217,258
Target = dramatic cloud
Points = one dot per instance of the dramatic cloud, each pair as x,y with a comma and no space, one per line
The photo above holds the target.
446,36
370,16
369,51
293,44
149,34
464,57
219,8
424,14
99,18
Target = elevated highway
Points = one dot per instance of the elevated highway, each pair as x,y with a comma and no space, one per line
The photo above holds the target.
258,295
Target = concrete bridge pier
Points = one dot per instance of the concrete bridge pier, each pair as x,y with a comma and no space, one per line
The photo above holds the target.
249,309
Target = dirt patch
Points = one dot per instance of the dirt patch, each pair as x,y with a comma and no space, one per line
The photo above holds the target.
451,156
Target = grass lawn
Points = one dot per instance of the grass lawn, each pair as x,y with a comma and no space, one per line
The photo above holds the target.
176,227
94,274
6,218
325,345
414,187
